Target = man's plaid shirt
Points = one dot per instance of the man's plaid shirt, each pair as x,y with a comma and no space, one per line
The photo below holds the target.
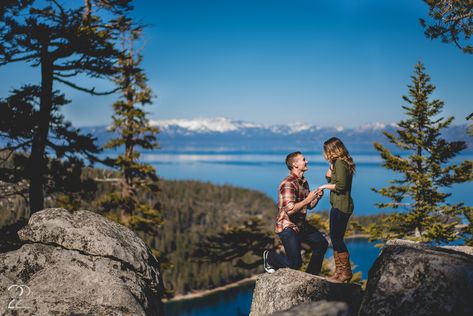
291,191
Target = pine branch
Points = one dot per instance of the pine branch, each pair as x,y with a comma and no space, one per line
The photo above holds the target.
24,58
73,74
90,91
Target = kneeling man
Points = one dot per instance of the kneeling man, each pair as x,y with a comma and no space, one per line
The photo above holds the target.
294,199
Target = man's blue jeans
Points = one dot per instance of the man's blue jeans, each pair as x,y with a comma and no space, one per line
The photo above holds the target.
292,246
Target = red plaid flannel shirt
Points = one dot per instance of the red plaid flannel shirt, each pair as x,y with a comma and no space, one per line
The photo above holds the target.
291,191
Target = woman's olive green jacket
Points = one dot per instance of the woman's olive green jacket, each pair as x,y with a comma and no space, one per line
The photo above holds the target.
342,178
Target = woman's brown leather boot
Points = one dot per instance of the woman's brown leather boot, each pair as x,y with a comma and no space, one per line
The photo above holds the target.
335,275
345,267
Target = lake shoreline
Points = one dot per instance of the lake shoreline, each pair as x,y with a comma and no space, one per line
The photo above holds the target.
203,293
354,236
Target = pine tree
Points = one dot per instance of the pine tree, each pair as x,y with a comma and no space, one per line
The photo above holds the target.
63,41
134,133
424,171
451,21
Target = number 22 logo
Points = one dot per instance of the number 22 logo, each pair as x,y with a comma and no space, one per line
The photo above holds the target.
21,289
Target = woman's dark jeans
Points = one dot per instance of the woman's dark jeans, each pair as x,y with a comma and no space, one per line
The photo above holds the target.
292,246
338,227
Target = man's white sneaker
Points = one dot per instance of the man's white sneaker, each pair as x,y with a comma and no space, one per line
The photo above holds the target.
266,265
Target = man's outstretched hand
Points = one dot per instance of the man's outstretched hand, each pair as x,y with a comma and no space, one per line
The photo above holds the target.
315,196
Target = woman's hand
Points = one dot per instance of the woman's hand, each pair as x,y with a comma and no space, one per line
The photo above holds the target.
328,186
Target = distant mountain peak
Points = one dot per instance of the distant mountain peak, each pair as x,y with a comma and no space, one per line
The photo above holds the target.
205,125
374,126
298,127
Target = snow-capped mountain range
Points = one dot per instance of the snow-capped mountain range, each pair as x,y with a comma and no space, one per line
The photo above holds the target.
227,134
225,125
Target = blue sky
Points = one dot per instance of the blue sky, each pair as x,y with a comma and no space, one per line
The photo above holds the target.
329,63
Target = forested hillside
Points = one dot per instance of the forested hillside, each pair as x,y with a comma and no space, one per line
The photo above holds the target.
190,211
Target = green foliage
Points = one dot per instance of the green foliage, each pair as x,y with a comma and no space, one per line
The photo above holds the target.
69,39
356,278
424,171
364,225
193,211
451,21
319,220
134,134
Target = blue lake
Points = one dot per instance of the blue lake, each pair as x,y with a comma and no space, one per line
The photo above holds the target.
232,302
263,171
237,301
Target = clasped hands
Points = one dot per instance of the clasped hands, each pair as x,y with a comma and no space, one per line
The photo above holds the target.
316,194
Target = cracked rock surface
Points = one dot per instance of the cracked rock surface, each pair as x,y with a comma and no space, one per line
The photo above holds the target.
79,263
287,288
414,279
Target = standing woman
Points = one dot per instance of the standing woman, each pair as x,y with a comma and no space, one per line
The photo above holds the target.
339,176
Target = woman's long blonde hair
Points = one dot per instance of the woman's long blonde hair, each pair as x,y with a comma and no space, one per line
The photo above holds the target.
334,149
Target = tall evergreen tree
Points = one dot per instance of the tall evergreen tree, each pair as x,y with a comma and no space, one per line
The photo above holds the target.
134,131
424,171
64,41
451,21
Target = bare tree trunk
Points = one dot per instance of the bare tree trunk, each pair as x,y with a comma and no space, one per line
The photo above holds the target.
37,158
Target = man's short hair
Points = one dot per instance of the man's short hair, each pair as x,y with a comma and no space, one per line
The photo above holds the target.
290,159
